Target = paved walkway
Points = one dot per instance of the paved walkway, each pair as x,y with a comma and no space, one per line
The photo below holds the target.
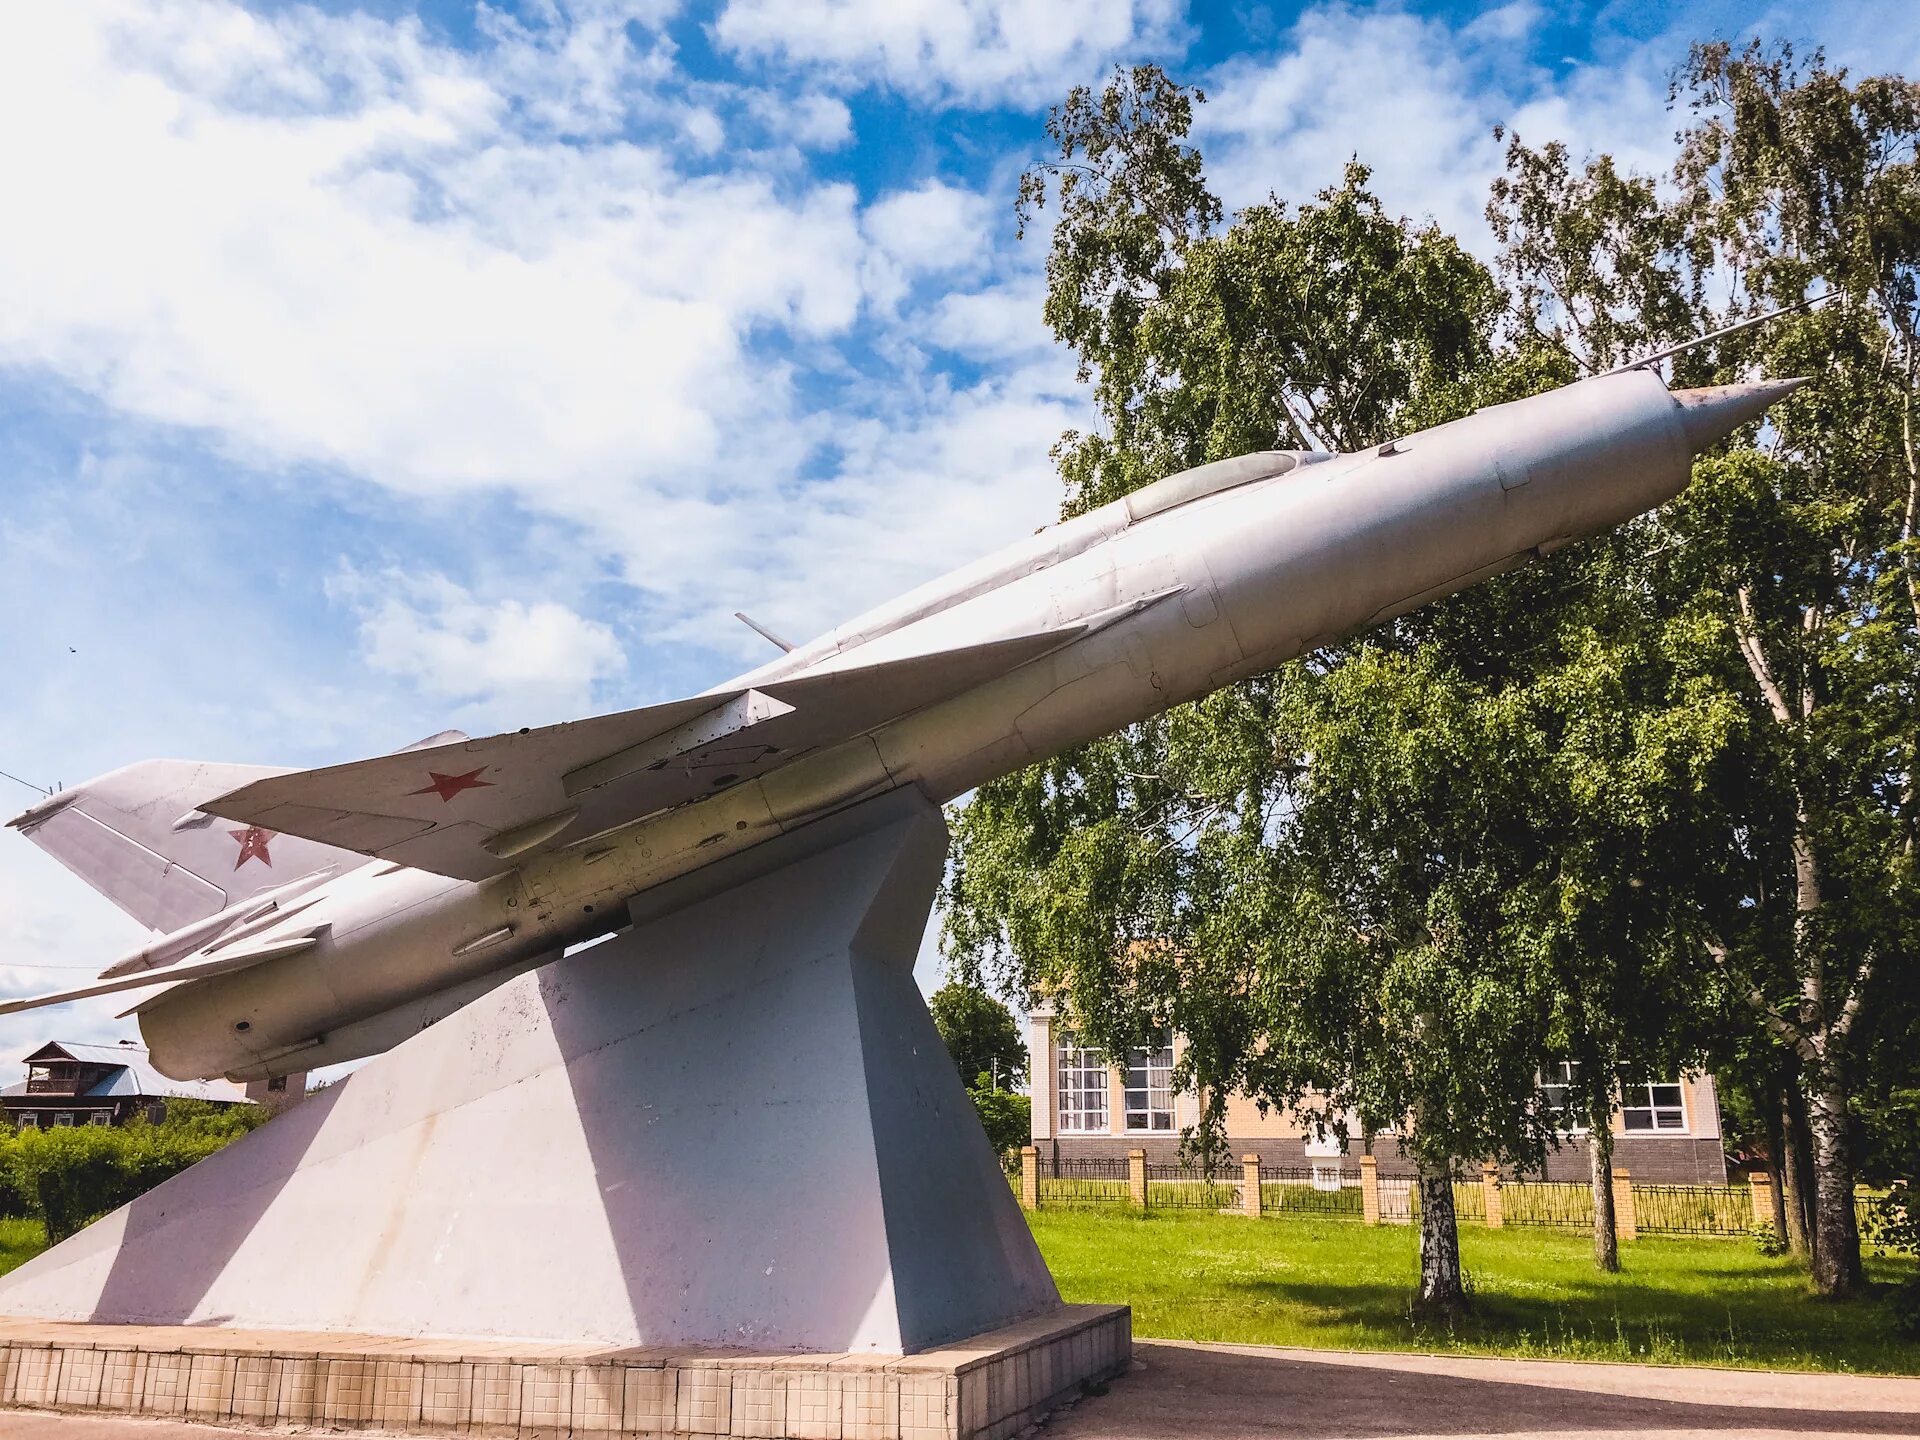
1224,1392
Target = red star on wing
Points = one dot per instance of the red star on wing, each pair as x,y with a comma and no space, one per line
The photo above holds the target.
253,845
448,786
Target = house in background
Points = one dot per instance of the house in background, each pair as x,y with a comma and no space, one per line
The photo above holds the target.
1085,1108
70,1084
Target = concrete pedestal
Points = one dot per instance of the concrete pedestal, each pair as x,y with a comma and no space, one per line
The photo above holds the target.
733,1125
986,1387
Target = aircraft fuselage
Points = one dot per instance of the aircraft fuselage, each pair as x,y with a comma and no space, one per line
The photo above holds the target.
1183,593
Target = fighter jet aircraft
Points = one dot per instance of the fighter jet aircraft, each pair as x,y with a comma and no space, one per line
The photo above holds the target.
309,917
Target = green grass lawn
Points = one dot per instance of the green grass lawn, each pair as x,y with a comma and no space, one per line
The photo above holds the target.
1337,1284
20,1241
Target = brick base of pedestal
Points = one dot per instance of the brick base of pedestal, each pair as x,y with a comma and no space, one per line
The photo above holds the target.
986,1388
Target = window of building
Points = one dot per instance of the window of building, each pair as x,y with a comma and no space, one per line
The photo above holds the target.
62,1118
277,1083
1652,1107
1083,1088
1556,1096
1150,1088
29,1120
100,1117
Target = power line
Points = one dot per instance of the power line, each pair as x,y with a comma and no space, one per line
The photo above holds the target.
39,789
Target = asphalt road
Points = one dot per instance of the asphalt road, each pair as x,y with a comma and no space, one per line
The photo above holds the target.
1226,1392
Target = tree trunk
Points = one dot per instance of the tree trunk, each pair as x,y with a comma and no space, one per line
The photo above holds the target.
1776,1165
1836,1247
1443,1293
1606,1237
1793,1157
1777,1176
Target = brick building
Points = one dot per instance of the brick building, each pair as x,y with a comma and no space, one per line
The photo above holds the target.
69,1084
1086,1108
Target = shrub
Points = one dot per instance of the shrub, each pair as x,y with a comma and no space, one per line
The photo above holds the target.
71,1176
1766,1240
1006,1116
1894,1223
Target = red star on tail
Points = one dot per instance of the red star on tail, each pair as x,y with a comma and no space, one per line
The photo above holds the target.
253,845
448,786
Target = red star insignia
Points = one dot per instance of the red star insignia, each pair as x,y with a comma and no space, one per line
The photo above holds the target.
253,845
448,786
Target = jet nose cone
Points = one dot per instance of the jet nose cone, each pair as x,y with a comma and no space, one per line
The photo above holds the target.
1714,412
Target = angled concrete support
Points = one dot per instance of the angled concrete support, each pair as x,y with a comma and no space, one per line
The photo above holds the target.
732,1124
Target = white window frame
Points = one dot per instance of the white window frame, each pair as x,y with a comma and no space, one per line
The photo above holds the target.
100,1117
1559,1076
1638,1099
1080,1075
63,1119
1147,1090
29,1120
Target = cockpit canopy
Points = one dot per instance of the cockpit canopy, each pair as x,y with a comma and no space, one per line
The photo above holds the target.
1202,480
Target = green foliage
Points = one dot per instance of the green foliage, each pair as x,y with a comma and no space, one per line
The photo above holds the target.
1893,1159
980,1033
68,1177
1005,1115
1767,1240
1348,885
1648,803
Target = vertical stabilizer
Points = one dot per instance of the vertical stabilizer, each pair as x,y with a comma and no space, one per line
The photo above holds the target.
138,836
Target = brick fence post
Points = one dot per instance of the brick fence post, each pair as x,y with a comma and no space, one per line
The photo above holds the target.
1490,1187
1137,1178
1369,1190
1250,1185
1030,1177
1761,1185
1623,1217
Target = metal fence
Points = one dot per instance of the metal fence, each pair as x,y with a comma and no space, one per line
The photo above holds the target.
1566,1203
1323,1190
1071,1184
1691,1209
1866,1211
1188,1187
1469,1202
1334,1192
1398,1199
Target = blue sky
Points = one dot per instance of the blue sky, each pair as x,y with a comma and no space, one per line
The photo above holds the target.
370,369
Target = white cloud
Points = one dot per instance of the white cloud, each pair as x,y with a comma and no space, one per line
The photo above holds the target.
933,231
576,67
332,240
1416,98
499,659
812,121
972,51
1399,91
55,934
391,279
995,323
932,227
1507,23
907,502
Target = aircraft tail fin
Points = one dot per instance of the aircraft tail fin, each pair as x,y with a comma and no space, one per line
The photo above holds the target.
138,836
